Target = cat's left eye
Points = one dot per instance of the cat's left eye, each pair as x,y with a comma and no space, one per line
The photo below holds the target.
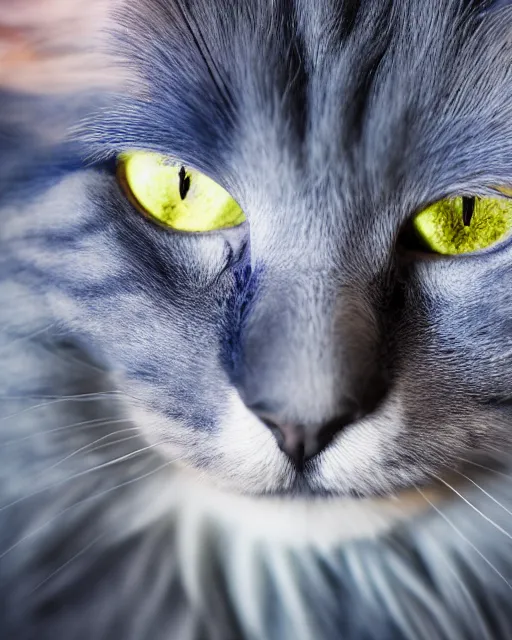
176,196
464,224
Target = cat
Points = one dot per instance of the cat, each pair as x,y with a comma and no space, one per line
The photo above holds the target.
295,428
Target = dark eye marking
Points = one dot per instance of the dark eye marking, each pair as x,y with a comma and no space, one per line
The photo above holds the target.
184,183
468,209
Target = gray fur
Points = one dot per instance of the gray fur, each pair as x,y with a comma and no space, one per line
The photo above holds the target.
331,123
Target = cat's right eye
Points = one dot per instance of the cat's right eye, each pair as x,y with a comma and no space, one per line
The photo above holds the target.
462,224
176,196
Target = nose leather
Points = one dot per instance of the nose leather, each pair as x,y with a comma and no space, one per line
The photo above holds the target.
300,443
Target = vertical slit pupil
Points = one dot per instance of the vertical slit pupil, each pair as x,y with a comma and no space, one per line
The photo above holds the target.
468,209
184,183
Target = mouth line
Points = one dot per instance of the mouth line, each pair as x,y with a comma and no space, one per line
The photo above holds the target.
237,468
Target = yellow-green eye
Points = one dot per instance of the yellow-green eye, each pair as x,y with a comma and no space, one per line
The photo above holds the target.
176,196
464,224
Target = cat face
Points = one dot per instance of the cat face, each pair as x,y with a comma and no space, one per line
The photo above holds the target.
331,123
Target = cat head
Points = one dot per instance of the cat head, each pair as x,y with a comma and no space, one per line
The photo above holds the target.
310,348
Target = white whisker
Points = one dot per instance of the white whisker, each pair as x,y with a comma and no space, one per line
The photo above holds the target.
476,509
54,400
485,468
67,563
27,338
100,494
96,422
501,452
80,474
89,447
480,488
76,396
465,538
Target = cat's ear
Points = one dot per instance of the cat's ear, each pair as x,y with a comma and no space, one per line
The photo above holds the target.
55,46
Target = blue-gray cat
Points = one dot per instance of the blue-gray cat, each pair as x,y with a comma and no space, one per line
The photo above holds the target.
147,376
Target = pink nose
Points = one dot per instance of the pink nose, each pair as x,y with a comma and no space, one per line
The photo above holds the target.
300,443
